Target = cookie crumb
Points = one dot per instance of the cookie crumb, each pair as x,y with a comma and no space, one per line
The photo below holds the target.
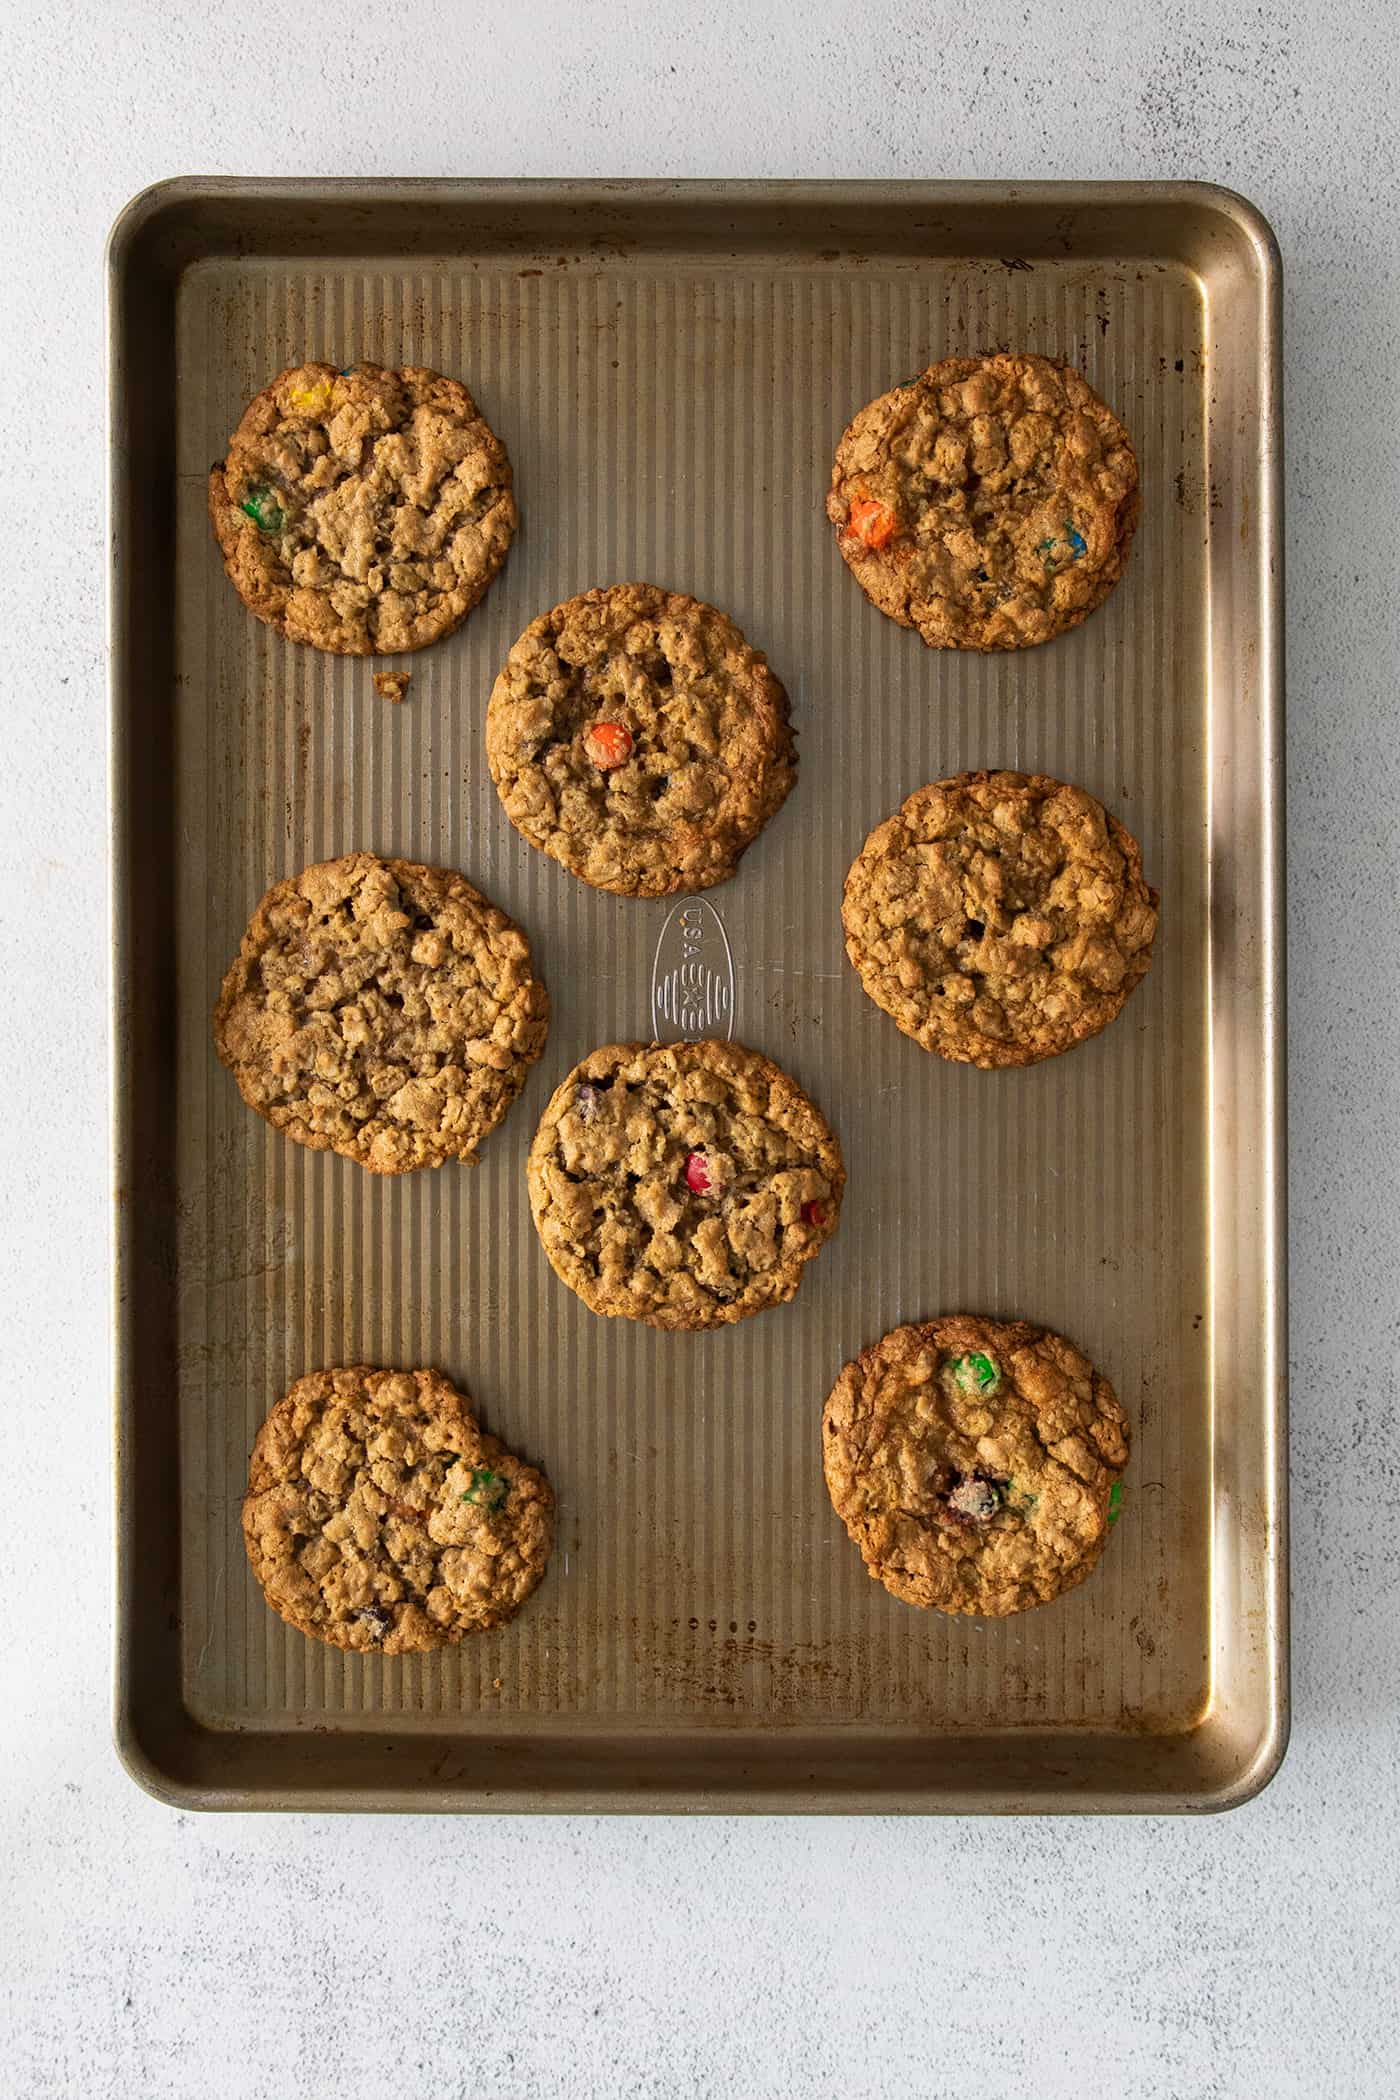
392,685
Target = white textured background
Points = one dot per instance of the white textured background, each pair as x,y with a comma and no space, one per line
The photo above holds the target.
145,1953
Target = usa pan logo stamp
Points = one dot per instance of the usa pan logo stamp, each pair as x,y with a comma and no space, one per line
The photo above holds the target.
692,976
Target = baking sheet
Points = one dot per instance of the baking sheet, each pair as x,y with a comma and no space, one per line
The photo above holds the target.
670,367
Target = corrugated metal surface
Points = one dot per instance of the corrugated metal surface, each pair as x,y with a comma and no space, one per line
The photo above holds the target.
671,410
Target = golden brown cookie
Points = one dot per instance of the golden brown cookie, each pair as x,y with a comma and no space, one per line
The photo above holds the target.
989,503
635,737
975,1463
380,1516
362,511
999,918
682,1184
383,1010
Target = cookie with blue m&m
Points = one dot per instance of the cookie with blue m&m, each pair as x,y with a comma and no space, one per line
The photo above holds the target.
989,503
975,1463
363,510
999,918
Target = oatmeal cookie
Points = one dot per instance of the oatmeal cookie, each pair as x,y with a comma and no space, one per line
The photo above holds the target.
380,1516
635,737
362,511
682,1184
989,503
383,1010
999,918
975,1463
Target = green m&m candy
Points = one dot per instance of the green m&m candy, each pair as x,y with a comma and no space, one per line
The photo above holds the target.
261,505
974,1373
488,1490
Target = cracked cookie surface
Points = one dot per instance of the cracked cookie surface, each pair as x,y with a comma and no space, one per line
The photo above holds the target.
682,1184
989,503
362,511
637,738
999,918
973,1462
383,1010
380,1516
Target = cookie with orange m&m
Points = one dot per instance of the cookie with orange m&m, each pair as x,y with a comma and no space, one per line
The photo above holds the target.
637,738
989,503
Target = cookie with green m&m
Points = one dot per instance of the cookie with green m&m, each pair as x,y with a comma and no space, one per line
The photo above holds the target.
975,1463
381,1516
363,510
637,738
989,503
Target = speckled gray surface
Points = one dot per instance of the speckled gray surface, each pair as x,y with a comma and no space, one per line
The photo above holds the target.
158,1954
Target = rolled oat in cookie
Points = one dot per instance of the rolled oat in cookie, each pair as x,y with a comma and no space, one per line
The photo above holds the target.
362,511
383,1010
999,918
682,1184
380,1516
975,1463
989,503
635,737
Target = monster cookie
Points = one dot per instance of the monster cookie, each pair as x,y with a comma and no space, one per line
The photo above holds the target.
635,737
380,1516
975,1463
683,1184
999,917
989,503
382,1010
364,510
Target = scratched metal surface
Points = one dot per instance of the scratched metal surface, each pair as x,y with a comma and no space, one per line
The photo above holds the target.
671,388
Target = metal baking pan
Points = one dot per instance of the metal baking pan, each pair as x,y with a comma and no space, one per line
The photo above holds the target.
670,366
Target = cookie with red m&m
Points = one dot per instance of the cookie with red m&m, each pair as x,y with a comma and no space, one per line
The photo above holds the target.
685,1185
637,738
989,503
975,1463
